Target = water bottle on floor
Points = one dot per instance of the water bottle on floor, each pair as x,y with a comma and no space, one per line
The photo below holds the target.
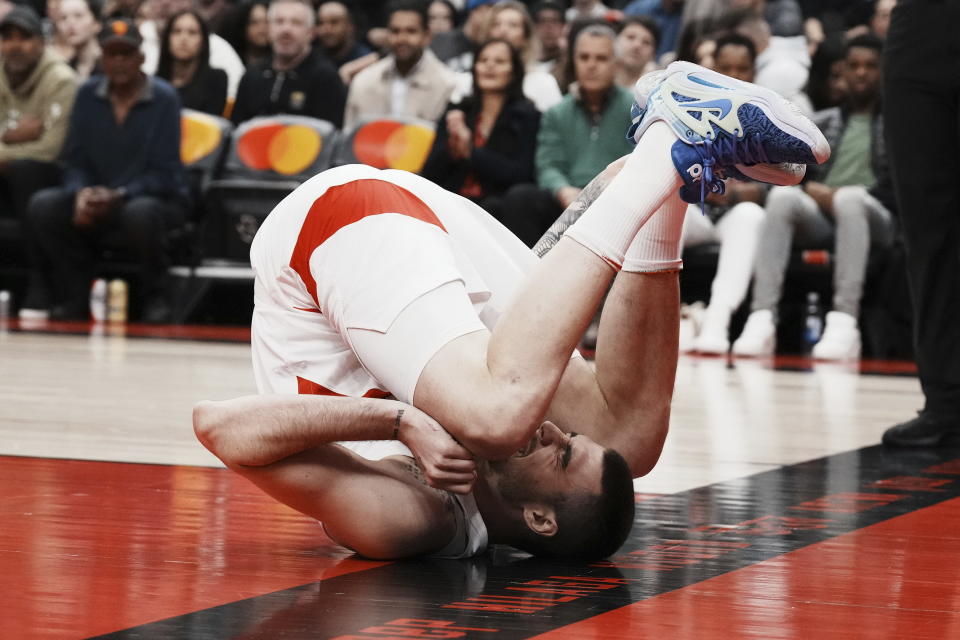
812,321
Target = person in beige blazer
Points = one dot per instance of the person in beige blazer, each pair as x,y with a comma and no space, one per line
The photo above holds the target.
411,81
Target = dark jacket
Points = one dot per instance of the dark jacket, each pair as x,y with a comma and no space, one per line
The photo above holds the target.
312,89
505,160
833,124
142,154
206,92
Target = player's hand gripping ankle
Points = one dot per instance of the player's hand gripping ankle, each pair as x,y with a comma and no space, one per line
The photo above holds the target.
445,463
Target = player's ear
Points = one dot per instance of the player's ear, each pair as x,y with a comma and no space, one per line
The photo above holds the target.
541,519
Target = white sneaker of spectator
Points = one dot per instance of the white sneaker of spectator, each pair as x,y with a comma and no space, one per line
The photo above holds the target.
713,337
759,337
840,340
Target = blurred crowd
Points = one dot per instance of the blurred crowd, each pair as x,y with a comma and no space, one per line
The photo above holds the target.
530,100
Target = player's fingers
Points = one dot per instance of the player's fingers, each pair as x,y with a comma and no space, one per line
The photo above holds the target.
456,465
440,479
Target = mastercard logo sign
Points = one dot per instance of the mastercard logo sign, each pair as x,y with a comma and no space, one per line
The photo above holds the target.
199,137
286,149
386,144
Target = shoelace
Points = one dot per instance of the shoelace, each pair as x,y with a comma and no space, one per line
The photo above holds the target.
718,152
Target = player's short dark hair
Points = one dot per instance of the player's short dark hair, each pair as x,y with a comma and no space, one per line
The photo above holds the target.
734,39
864,41
591,527
418,7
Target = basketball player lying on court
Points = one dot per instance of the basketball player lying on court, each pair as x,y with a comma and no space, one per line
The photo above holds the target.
415,358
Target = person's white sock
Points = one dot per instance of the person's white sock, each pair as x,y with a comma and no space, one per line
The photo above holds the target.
648,178
658,246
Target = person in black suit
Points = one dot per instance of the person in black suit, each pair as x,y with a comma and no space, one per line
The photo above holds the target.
185,63
486,143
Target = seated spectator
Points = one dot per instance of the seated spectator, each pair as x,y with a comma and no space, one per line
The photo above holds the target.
668,14
784,16
185,63
511,21
733,219
827,86
222,55
441,17
455,48
486,143
411,81
337,33
77,26
783,64
246,31
846,202
578,138
636,49
297,79
550,20
37,90
589,10
123,176
214,13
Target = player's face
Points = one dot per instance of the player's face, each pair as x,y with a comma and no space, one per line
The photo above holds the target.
734,60
862,72
553,463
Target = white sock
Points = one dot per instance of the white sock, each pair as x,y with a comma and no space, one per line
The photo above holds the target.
658,245
648,178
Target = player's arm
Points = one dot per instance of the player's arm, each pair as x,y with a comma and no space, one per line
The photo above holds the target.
284,445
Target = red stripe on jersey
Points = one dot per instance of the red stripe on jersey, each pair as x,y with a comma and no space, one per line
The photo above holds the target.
311,388
345,204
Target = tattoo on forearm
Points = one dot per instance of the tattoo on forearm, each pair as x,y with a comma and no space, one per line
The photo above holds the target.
572,213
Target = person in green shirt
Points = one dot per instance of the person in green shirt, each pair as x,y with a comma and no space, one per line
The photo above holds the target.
846,203
578,137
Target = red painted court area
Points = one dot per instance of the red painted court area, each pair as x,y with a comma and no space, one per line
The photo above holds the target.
896,579
90,548
87,548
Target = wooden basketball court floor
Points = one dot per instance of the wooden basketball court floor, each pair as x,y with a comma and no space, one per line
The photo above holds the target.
772,514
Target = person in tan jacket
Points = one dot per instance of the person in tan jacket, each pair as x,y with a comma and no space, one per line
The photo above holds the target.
37,90
411,81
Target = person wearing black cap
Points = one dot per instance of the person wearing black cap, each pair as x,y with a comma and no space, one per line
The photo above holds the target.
36,95
123,177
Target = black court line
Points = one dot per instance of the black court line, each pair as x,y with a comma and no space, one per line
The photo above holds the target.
678,540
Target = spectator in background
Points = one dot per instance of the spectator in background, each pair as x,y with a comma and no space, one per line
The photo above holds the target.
578,138
247,32
77,26
123,175
455,48
214,12
510,21
668,14
880,21
297,79
411,81
589,10
486,143
733,218
185,63
441,17
827,86
222,55
550,21
37,91
337,33
783,64
784,16
636,49
846,201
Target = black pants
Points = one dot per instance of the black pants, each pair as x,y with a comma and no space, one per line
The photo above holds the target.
528,211
19,180
138,228
922,120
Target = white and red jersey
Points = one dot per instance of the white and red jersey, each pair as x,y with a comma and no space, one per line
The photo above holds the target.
387,237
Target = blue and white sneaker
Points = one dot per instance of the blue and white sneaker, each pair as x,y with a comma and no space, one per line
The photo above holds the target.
726,128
